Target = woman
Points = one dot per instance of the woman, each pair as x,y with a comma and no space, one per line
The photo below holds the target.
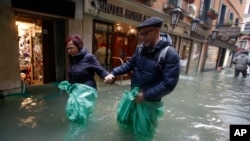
82,64
81,85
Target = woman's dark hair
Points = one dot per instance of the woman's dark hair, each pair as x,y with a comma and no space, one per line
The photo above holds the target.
76,41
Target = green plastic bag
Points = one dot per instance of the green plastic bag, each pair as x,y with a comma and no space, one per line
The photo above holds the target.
141,118
81,101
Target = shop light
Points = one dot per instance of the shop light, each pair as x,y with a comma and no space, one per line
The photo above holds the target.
131,32
195,24
175,16
119,29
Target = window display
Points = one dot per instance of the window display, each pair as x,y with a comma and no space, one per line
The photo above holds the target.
30,52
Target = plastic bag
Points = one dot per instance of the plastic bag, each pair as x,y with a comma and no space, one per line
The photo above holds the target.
141,118
125,108
81,101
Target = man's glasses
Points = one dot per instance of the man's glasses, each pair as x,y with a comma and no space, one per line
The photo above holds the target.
145,33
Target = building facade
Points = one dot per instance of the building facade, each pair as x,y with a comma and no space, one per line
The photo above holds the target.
226,23
32,39
244,40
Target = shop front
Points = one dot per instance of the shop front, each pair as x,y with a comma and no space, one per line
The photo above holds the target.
185,50
41,32
30,50
115,30
221,48
113,43
190,51
114,38
195,58
39,47
219,54
211,58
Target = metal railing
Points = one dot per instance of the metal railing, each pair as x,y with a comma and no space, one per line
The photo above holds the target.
121,61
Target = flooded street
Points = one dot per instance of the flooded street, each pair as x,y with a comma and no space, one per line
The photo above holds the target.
201,108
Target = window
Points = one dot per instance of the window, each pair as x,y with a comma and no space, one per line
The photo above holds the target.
243,44
175,2
231,16
248,12
241,1
247,26
237,20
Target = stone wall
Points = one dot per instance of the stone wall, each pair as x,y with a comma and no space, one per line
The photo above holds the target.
9,68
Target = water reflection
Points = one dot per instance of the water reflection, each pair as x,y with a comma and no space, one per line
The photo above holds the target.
28,122
33,104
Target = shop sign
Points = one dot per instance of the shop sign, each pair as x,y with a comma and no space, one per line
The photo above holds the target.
120,11
229,31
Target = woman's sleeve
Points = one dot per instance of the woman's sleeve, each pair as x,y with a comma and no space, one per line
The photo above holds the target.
96,66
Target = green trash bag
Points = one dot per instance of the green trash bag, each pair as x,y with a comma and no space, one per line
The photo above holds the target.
141,118
81,101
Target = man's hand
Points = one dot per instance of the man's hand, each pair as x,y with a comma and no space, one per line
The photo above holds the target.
109,78
139,98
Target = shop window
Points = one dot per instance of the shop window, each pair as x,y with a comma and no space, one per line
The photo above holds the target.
30,51
247,26
184,54
102,42
211,57
173,38
125,43
125,40
195,57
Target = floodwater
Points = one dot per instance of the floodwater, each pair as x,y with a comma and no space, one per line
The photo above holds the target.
201,108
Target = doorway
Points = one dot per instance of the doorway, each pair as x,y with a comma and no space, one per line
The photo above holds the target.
30,50
36,47
185,50
102,42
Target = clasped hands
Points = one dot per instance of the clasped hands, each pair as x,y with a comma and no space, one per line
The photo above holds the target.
109,78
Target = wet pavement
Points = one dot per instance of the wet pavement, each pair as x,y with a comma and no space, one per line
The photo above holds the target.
201,108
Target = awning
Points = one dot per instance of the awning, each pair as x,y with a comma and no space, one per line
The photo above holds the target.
63,8
222,44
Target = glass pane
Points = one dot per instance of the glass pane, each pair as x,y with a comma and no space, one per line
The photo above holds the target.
184,54
195,56
102,43
211,57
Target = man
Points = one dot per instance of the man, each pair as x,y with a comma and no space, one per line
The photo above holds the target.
241,62
154,79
